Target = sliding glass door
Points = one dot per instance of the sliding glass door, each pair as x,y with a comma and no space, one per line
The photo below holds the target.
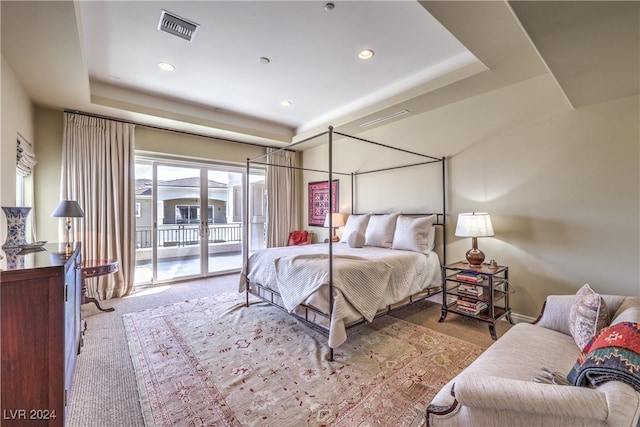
188,220
224,227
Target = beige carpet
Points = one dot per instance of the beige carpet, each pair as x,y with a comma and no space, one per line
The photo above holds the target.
211,361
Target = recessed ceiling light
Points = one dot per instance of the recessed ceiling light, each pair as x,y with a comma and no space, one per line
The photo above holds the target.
166,66
285,103
264,60
366,54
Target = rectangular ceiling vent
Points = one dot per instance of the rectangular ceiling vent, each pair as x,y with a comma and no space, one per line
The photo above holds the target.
180,27
384,119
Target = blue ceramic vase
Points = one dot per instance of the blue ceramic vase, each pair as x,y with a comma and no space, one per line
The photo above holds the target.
16,226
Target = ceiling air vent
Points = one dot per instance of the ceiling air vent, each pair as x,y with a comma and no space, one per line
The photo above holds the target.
180,27
384,119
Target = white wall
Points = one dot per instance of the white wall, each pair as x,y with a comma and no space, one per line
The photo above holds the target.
16,113
562,186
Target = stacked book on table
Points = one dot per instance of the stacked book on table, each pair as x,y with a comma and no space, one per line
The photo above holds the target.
471,290
471,306
468,293
469,277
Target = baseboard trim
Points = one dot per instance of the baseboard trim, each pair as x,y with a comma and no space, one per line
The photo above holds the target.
521,318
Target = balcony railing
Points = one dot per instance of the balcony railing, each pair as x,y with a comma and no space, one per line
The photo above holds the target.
187,235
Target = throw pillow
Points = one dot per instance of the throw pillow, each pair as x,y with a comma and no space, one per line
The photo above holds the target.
355,223
587,315
297,237
412,234
380,230
356,239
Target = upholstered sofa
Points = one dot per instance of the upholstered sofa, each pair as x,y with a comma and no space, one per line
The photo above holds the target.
500,388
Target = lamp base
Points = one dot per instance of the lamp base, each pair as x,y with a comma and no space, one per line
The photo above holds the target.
475,257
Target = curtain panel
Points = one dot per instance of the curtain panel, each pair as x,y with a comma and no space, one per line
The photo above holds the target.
282,197
98,172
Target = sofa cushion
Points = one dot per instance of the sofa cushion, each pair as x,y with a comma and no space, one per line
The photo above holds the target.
628,311
520,354
587,315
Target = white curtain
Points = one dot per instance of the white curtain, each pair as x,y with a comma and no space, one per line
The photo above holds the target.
98,172
282,196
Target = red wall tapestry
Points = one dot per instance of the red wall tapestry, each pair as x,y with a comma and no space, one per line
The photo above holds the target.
319,201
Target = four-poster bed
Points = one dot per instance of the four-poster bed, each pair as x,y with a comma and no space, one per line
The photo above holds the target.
383,261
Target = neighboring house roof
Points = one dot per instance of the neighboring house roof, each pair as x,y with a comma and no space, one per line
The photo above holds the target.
143,186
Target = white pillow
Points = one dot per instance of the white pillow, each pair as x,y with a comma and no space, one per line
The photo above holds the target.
431,238
356,223
356,239
381,229
412,234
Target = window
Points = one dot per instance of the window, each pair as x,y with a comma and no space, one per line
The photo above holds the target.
20,190
187,214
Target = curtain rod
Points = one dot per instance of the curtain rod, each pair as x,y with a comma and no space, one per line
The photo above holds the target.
184,132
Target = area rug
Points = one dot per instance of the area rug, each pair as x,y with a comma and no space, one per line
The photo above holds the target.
214,362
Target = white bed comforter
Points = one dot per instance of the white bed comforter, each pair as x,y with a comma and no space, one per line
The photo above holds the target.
365,279
362,282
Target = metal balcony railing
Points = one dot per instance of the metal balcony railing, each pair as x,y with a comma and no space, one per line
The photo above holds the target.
187,235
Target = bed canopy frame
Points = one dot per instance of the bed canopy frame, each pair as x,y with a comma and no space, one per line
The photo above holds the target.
272,295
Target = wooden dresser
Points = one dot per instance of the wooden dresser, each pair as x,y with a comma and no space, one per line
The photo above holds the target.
40,327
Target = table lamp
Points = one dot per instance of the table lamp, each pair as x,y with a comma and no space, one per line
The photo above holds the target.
337,220
68,209
474,225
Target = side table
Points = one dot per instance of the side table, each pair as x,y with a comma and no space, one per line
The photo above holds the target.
478,292
94,268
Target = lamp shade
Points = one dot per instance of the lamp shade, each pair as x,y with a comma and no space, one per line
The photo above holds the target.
337,220
476,224
68,209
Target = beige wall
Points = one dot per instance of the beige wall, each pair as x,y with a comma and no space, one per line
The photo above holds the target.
562,186
172,143
49,125
17,118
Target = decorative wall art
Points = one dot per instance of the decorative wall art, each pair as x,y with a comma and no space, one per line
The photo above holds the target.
319,201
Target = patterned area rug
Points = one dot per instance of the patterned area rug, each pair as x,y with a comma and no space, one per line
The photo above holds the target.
214,362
